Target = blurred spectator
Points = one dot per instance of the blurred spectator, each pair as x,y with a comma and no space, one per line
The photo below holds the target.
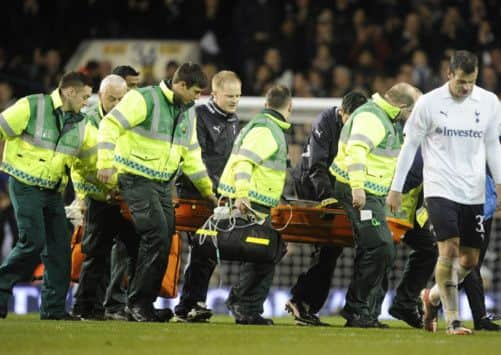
489,80
209,69
6,95
371,38
281,75
53,70
130,75
421,73
263,77
317,83
301,86
411,38
341,81
105,67
91,69
170,68
323,61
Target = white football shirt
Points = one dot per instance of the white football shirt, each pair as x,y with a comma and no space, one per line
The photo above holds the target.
456,137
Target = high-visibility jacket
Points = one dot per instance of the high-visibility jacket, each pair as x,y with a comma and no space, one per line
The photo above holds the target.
257,165
148,134
84,170
41,140
369,146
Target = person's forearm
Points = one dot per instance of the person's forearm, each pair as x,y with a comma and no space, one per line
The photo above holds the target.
405,159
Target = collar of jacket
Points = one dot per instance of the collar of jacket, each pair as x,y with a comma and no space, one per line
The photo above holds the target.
166,87
65,116
56,99
100,109
337,117
229,116
390,110
277,118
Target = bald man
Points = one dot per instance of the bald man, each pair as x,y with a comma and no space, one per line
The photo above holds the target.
103,220
368,149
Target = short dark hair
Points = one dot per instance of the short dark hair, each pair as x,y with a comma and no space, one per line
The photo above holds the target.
277,97
352,100
74,79
192,74
464,60
124,71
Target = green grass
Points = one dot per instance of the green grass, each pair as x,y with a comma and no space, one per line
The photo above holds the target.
28,335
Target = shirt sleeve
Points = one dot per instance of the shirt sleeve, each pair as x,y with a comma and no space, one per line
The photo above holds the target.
320,158
257,146
129,112
492,146
415,130
14,119
367,132
193,165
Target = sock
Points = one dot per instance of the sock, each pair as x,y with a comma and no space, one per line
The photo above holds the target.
446,275
462,272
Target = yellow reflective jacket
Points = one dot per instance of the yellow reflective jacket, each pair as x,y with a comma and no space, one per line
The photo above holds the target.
148,134
41,140
369,146
257,165
84,170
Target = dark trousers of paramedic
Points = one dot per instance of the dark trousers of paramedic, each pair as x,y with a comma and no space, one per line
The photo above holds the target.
150,204
116,291
247,296
473,285
418,269
196,277
312,287
43,233
103,223
375,254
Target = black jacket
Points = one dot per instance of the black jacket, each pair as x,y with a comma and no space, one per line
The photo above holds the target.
312,177
216,131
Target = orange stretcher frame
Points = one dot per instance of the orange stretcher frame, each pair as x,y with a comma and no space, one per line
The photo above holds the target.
329,226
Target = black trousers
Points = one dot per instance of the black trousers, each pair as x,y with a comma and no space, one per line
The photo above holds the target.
103,222
116,291
196,278
312,287
150,204
472,284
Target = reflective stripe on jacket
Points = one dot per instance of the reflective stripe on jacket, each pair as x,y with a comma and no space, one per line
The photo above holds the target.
369,146
84,170
148,134
40,141
257,165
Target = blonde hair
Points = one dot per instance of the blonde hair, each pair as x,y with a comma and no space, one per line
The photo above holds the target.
223,77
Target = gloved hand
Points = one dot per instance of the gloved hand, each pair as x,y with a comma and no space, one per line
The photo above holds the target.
75,212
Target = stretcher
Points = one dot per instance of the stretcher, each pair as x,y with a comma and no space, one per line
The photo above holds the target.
303,222
300,223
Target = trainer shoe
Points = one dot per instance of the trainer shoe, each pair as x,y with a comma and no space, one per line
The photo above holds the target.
91,315
409,316
457,329
119,315
486,324
430,312
163,315
253,319
302,314
199,313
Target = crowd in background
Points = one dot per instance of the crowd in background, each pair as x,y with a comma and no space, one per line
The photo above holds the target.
319,48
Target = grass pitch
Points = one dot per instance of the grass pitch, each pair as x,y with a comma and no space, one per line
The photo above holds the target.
28,335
